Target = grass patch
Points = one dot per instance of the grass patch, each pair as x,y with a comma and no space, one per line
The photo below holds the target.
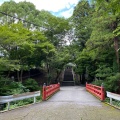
115,103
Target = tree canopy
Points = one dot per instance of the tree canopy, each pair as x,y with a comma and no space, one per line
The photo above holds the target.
30,38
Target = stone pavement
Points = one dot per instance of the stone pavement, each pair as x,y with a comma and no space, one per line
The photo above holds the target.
70,103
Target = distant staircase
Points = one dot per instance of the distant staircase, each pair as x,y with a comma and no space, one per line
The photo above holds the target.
68,78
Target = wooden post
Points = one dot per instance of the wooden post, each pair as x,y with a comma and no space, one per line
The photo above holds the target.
44,92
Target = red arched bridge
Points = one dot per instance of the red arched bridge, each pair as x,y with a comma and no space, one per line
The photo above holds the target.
66,103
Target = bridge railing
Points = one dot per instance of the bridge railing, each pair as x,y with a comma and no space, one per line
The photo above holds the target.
96,90
113,96
49,90
11,98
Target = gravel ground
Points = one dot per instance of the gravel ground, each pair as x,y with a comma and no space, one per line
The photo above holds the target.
70,103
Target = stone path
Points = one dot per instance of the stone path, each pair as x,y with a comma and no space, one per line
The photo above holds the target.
71,103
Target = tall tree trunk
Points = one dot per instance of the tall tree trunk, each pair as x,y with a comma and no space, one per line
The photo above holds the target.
116,47
18,77
58,74
114,25
21,75
48,73
8,73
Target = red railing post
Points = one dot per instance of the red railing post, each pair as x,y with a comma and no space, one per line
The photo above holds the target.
86,85
44,92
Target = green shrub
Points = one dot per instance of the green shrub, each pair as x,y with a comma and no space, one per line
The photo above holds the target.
97,82
18,88
9,87
4,86
103,72
110,83
31,84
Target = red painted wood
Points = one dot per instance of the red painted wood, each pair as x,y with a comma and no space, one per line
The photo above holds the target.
96,90
49,90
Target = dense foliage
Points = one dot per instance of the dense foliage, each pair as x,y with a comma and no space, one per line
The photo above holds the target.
97,39
31,39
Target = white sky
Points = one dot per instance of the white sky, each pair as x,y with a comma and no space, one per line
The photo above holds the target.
53,5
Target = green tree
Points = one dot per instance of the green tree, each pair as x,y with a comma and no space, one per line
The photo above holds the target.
109,17
57,28
58,62
81,22
8,8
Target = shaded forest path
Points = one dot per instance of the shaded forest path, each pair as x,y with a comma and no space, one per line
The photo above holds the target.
70,103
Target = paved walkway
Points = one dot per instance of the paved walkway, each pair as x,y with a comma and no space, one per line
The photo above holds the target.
71,103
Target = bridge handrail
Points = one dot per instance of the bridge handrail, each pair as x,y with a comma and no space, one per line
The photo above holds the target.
50,90
113,96
8,99
96,90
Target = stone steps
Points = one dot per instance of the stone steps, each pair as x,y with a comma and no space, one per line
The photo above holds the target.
68,83
68,78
